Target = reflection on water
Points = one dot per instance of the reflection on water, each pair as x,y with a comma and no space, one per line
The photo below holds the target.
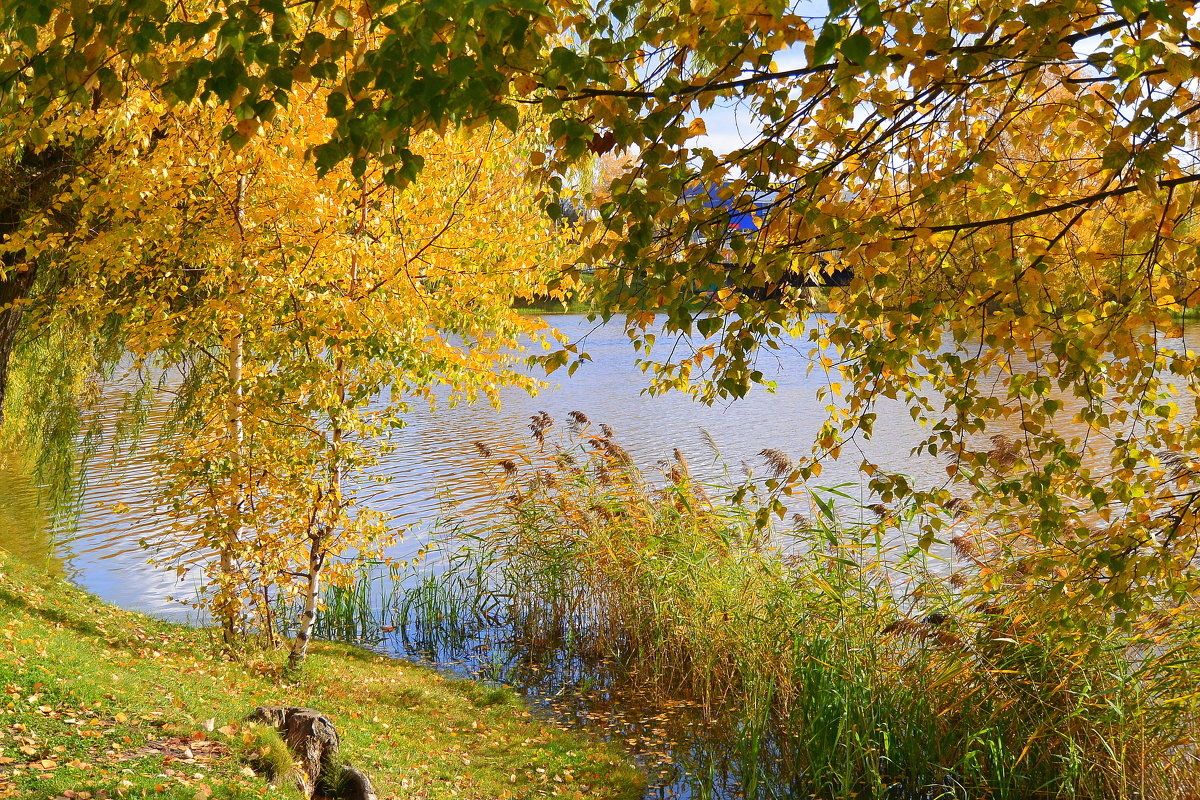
686,754
23,522
435,455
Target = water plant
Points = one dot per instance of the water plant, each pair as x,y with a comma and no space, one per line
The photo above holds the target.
833,655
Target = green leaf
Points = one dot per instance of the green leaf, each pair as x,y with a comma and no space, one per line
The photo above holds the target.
857,48
838,7
461,67
870,15
509,117
708,325
327,156
827,42
335,105
28,36
1130,9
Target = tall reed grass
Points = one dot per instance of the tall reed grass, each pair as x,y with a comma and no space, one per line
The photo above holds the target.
838,662
362,609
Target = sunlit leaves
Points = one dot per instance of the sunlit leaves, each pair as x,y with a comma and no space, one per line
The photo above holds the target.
297,315
1009,186
1017,218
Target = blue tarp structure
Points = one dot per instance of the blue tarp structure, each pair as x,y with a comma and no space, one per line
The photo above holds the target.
745,211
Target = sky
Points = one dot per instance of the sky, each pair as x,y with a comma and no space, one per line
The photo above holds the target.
729,125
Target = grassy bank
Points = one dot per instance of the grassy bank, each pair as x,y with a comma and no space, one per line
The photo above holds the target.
838,666
100,702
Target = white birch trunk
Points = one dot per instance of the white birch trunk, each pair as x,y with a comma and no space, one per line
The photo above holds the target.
324,531
312,594
227,605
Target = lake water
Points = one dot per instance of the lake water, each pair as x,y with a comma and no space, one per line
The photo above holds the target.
435,453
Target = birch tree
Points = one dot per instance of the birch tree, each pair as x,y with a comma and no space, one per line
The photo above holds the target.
304,315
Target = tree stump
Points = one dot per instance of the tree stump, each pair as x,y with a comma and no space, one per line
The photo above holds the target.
313,739
355,785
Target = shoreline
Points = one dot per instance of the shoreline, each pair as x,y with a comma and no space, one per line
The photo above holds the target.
102,702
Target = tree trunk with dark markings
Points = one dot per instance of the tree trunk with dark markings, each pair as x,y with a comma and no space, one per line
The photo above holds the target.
28,184
15,286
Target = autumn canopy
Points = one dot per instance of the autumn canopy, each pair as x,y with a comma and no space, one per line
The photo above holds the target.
1011,186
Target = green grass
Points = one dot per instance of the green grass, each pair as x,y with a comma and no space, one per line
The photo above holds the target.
99,701
263,748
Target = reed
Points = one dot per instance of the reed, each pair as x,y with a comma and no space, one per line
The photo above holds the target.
837,662
361,609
